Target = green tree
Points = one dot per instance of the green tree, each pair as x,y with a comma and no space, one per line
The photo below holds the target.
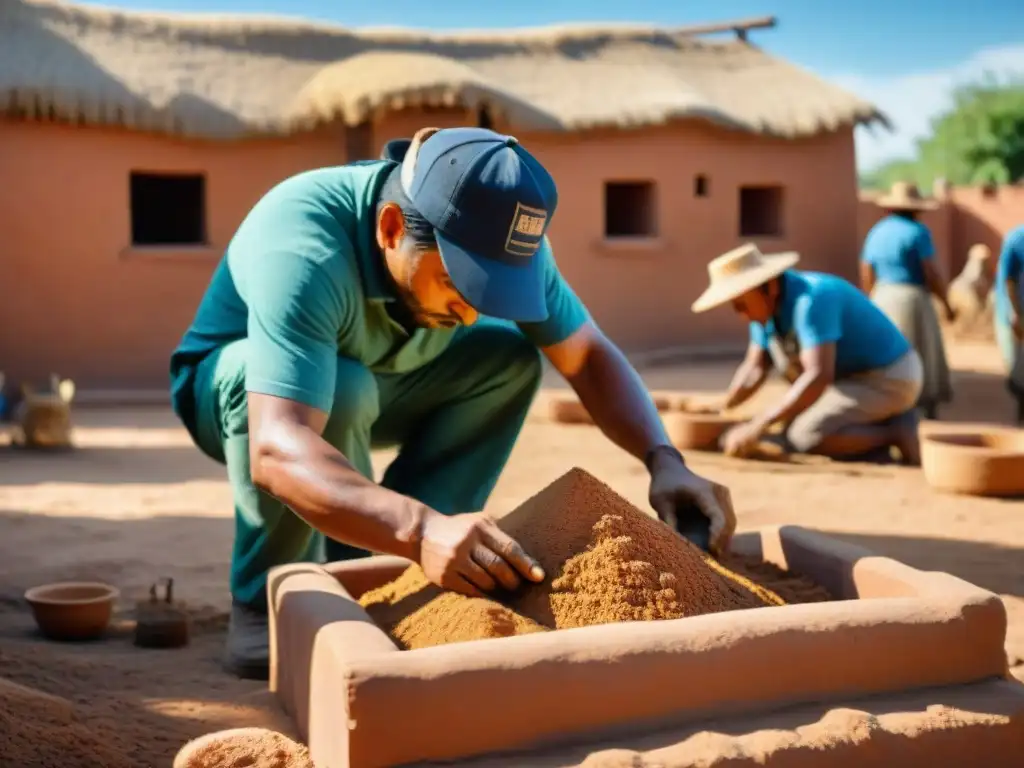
882,177
979,140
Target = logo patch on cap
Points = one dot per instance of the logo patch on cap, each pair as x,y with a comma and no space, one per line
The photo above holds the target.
527,230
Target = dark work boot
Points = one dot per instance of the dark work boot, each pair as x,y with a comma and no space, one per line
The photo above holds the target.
247,651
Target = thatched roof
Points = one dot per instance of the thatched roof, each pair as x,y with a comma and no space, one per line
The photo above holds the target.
230,76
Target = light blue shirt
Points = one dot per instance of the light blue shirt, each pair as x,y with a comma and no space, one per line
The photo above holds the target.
818,309
897,247
1009,268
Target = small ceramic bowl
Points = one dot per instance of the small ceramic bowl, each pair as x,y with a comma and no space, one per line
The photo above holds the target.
73,610
985,462
698,432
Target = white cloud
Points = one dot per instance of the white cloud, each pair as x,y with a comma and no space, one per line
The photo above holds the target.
911,100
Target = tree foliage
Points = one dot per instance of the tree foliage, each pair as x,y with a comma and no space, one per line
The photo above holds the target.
979,140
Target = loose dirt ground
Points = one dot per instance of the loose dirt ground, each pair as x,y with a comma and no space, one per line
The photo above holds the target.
137,502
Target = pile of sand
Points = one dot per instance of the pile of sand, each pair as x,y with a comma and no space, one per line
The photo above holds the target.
243,748
44,731
606,561
109,704
418,614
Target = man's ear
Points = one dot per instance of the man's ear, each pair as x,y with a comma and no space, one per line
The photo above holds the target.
409,163
390,226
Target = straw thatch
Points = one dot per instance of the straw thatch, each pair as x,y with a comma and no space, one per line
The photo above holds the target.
360,86
223,77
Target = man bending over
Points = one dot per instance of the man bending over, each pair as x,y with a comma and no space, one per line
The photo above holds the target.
401,302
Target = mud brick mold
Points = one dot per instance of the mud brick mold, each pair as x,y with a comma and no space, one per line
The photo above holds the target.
359,701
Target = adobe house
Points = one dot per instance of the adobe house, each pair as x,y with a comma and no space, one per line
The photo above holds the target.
132,144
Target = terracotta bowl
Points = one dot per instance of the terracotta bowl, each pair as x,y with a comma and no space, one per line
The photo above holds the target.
697,432
72,610
980,463
569,410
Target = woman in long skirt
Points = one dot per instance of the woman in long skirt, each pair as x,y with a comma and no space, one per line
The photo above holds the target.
899,272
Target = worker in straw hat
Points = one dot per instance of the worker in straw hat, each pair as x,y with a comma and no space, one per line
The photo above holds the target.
854,378
1009,297
399,302
898,271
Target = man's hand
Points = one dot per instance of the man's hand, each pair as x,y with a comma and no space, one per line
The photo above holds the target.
468,553
674,486
742,439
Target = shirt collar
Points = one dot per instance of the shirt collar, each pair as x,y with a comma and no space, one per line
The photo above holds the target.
372,269
782,307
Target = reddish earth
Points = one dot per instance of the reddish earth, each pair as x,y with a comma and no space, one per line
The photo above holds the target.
137,502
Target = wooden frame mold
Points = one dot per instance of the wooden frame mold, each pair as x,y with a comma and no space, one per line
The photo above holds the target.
359,701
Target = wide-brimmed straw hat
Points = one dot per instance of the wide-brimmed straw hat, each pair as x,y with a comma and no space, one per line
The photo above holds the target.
740,270
904,196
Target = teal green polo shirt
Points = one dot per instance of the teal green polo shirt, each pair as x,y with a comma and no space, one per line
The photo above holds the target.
304,281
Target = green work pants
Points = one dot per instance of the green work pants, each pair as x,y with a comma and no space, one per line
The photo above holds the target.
455,421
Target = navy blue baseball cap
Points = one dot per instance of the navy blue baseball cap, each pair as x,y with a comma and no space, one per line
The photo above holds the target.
490,203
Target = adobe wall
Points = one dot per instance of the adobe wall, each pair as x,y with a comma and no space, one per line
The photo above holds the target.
967,215
79,301
83,303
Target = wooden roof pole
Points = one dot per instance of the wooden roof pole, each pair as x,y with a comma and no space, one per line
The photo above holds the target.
740,26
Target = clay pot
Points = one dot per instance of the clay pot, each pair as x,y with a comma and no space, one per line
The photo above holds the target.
161,622
72,610
698,432
981,463
569,410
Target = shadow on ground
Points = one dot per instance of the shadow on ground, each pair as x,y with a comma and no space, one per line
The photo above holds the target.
107,465
125,706
131,554
978,395
121,701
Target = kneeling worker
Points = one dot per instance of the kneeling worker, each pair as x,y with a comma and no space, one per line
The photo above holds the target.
854,377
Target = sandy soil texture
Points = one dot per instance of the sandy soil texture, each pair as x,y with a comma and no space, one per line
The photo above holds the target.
136,502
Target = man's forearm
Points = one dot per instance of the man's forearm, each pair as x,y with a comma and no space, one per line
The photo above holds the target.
615,397
747,381
297,466
801,395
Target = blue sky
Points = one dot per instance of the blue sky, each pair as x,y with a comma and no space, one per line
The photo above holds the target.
902,54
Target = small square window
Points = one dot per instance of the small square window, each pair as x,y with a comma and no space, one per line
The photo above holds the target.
700,185
168,209
761,211
630,209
